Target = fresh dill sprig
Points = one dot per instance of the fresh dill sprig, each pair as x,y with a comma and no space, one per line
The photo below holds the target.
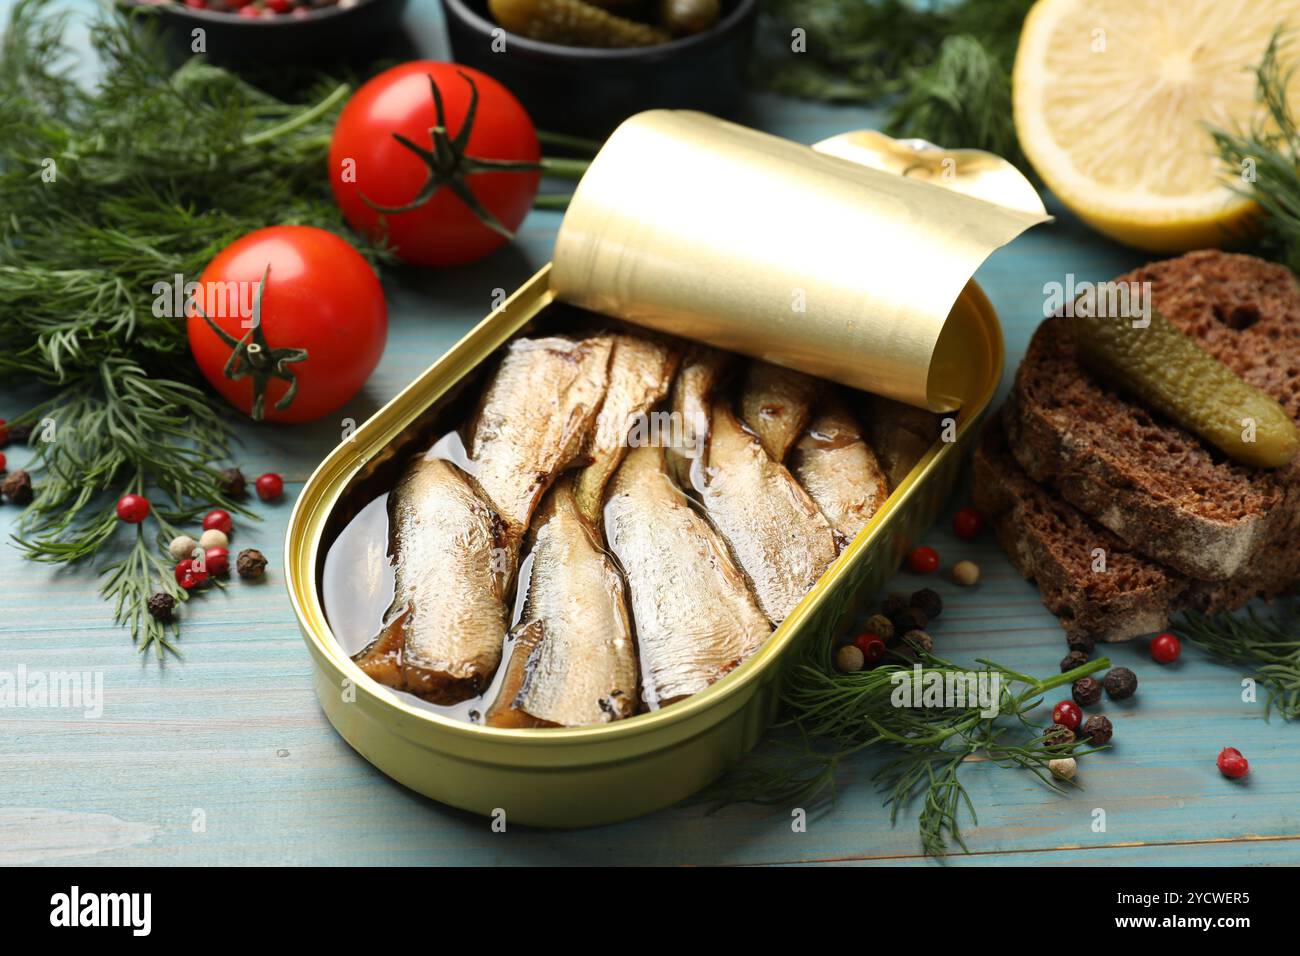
950,62
839,714
1268,648
1267,156
104,194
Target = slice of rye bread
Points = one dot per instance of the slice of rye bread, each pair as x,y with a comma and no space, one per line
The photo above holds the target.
1055,545
1156,485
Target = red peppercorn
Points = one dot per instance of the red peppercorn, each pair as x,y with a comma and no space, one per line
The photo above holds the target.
967,523
871,646
132,508
4,462
269,486
217,561
280,6
249,11
1165,649
219,519
4,433
1232,764
188,576
1067,713
196,4
923,560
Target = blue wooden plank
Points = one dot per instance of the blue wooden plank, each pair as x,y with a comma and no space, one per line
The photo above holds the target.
231,737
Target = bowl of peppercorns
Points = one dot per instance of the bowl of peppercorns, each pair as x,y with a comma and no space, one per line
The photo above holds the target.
272,32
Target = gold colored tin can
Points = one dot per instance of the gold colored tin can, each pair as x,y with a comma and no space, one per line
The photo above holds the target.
566,777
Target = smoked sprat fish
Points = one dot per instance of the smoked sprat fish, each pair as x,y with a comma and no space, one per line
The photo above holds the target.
776,403
443,633
574,659
838,469
701,373
778,535
640,374
695,617
534,419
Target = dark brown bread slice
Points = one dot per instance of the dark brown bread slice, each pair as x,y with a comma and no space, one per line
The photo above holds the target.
1155,485
1054,544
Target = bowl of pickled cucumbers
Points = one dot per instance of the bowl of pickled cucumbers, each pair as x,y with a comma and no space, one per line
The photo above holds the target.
583,66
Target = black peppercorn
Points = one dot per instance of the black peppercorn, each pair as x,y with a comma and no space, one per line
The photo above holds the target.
920,640
1097,731
231,482
1120,683
1072,660
17,487
1058,735
893,604
928,601
251,563
909,619
1086,691
161,606
1080,642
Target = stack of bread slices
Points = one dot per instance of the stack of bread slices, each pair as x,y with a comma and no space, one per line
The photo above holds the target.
1122,517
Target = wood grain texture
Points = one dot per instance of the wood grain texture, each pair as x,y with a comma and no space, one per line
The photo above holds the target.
223,757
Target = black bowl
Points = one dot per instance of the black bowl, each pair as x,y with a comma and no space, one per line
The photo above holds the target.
569,89
321,35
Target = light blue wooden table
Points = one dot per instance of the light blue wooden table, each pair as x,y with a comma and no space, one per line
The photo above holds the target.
230,736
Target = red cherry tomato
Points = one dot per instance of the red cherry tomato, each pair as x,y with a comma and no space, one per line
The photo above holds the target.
1067,712
967,523
923,560
370,167
871,646
218,518
132,508
1232,764
269,486
319,297
217,561
1165,648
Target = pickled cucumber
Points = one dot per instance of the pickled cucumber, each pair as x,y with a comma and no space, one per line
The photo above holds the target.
572,22
684,17
1170,373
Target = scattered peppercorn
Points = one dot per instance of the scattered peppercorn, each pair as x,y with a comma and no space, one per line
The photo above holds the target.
217,561
1072,660
1080,642
189,576
923,560
1063,768
966,573
17,487
897,601
928,601
1232,764
213,538
232,482
921,640
133,508
1058,735
4,462
269,486
881,626
1097,730
1086,691
871,646
910,619
182,547
251,564
160,606
1067,712
218,518
967,523
1165,648
1120,683
849,659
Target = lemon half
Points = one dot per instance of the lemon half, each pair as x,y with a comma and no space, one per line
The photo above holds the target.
1112,101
